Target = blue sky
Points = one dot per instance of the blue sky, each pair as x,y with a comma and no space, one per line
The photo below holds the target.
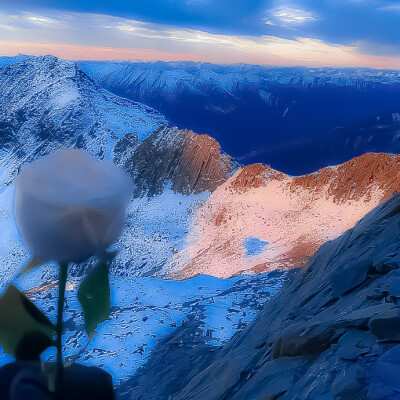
294,32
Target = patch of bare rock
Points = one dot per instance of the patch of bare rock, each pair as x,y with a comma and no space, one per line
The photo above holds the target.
189,162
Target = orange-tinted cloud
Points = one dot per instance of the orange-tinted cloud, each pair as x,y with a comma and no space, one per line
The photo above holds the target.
82,52
274,54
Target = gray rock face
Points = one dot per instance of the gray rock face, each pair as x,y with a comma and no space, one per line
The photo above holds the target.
189,162
159,378
330,333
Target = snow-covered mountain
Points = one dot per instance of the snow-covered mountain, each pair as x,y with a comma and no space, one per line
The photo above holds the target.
6,60
47,103
294,119
193,212
161,75
330,333
261,219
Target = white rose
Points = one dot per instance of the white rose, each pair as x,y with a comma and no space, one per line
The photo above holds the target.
70,206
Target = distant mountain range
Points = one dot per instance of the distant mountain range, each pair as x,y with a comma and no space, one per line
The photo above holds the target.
295,119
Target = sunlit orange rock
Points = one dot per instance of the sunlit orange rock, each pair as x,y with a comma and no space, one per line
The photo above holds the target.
295,215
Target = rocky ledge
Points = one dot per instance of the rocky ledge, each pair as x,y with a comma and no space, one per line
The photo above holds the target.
189,162
332,332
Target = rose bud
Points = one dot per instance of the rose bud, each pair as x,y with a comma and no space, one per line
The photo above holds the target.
70,206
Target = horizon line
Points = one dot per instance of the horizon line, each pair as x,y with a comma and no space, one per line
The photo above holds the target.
150,61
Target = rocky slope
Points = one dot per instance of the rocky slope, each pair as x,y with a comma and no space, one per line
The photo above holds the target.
288,218
332,332
146,310
191,163
47,103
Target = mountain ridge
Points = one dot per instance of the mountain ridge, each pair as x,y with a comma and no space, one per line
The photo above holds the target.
262,203
47,104
279,116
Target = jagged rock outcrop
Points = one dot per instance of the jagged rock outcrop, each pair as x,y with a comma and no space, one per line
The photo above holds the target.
354,179
293,215
331,333
189,162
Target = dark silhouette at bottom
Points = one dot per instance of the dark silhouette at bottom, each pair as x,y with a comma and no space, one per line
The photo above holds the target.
22,380
25,378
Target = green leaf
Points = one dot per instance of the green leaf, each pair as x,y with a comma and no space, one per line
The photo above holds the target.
22,324
94,296
33,263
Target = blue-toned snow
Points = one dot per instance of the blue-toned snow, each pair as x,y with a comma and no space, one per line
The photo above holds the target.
146,309
254,246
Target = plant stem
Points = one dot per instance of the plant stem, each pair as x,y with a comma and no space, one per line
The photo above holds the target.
62,281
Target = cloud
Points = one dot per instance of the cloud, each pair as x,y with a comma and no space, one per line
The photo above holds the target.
391,7
216,15
288,15
41,20
88,35
27,20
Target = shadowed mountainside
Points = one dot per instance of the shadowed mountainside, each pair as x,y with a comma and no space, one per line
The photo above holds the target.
332,331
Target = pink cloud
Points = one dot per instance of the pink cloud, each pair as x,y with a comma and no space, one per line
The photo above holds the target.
82,52
285,56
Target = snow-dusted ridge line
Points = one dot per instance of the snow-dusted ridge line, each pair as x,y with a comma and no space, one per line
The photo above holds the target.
47,104
182,74
225,76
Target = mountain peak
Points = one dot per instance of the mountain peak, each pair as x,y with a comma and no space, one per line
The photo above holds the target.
47,103
356,179
294,216
191,163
